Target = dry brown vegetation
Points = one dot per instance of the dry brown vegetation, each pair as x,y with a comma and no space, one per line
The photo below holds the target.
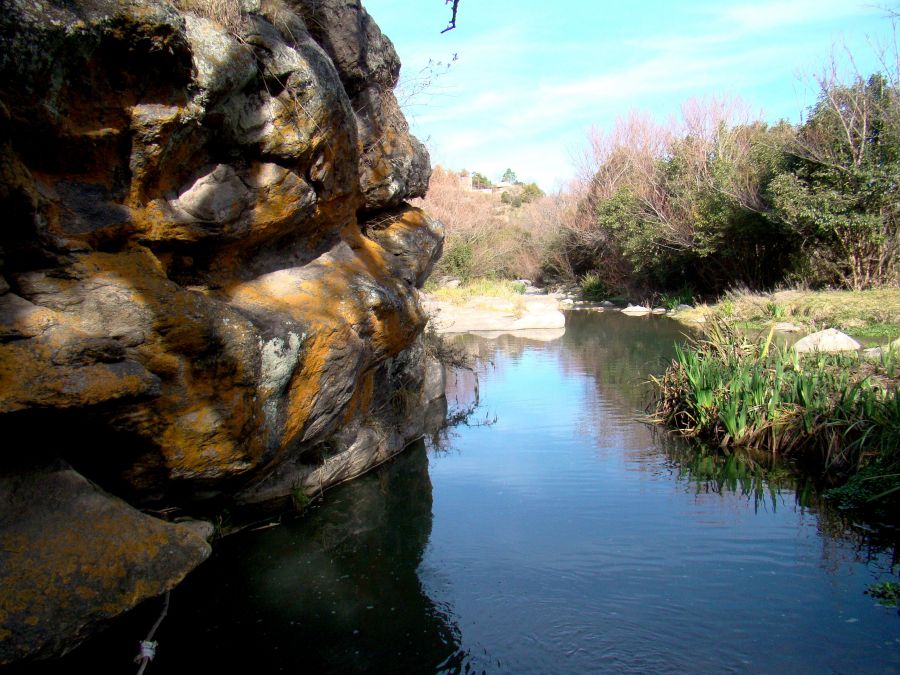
227,13
487,238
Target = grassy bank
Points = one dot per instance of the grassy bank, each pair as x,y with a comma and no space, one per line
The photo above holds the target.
839,413
872,314
478,288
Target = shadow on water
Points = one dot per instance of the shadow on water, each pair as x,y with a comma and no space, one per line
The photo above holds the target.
333,591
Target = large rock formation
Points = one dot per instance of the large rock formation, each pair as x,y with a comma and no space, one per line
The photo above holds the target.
208,282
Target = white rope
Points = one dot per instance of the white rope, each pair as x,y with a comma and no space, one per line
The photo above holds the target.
148,646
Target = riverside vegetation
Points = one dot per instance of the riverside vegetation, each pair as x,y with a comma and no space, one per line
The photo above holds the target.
784,223
837,413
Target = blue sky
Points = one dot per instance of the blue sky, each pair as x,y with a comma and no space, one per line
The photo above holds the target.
532,76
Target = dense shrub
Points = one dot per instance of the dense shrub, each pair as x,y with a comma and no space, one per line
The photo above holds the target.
719,200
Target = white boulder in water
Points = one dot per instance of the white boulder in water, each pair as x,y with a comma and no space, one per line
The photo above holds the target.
828,340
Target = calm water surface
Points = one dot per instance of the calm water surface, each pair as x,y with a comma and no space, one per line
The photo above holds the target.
565,537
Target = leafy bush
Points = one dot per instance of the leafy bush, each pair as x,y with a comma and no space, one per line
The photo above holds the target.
457,259
593,287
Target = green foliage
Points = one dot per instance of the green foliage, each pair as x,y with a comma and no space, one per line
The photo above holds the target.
887,593
775,310
530,192
512,199
683,296
593,287
480,181
457,259
509,176
731,391
519,287
839,191
299,498
751,204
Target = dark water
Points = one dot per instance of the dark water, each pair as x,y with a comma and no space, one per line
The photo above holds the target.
564,538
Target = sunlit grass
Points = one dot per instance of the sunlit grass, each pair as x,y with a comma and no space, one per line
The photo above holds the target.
873,314
480,288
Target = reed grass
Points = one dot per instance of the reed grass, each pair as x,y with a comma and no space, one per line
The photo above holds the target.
843,411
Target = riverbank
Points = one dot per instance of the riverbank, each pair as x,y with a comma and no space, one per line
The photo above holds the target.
872,315
495,306
838,413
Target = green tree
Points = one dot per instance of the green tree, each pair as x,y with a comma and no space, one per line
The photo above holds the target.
480,181
509,176
530,192
840,191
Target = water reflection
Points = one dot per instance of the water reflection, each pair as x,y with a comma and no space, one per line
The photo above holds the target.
334,591
566,537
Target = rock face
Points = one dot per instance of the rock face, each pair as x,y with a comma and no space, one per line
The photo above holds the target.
208,273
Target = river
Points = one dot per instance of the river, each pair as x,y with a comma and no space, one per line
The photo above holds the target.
556,533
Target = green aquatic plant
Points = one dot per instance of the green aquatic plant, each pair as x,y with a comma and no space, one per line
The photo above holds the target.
838,409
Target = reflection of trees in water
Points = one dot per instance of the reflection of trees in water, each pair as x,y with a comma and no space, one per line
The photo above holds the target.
772,484
617,354
620,352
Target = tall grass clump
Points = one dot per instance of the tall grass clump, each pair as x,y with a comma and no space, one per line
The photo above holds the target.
840,411
592,287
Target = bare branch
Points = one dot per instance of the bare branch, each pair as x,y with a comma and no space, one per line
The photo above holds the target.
454,8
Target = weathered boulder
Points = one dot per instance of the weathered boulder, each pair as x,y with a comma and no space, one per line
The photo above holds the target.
72,556
393,164
207,268
829,340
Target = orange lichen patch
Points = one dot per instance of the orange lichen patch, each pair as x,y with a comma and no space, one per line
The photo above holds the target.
73,555
201,414
361,401
166,148
29,376
307,386
198,445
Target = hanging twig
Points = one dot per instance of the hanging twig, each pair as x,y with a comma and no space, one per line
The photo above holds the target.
454,8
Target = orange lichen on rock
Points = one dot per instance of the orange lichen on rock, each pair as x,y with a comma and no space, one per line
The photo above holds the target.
73,555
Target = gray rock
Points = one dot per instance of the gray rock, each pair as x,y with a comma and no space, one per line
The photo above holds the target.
216,197
787,327
683,308
222,64
636,310
435,379
414,241
829,340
